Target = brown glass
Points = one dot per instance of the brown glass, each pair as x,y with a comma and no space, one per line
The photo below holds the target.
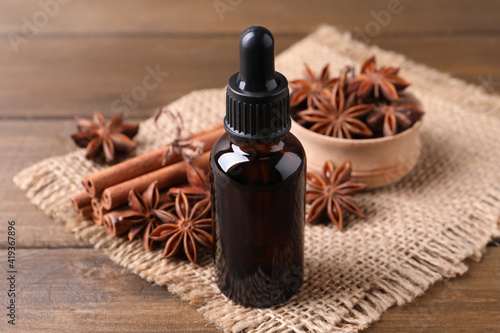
258,193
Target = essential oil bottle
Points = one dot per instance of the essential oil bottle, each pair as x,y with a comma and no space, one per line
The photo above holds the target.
258,183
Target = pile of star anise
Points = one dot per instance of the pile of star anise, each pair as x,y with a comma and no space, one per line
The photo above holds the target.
370,104
182,223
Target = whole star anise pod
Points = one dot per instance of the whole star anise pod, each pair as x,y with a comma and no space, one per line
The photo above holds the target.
393,118
186,228
329,193
371,82
147,214
335,116
112,138
311,86
199,184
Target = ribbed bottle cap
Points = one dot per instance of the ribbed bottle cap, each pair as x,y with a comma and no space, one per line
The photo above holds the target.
257,100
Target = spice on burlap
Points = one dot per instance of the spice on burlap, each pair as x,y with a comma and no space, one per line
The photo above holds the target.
415,233
329,194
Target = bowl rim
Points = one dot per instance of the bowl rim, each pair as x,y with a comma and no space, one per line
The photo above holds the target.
332,139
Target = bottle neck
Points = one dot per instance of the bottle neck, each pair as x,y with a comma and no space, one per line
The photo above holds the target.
259,146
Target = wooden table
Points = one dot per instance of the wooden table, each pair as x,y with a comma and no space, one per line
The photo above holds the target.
57,61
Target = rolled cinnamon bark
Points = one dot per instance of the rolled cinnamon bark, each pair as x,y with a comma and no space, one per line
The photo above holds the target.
85,211
98,210
168,176
111,220
96,183
113,225
80,200
95,217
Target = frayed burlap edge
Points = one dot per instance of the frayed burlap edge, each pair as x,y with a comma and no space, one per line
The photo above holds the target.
48,185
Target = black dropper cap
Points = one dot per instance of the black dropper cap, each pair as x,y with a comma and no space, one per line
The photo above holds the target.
257,100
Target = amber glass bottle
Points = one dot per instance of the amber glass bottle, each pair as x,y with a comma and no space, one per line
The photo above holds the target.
258,183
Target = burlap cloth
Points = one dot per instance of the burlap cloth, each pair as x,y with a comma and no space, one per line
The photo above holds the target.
416,232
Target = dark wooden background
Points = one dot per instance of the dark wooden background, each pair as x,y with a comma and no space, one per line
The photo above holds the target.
86,54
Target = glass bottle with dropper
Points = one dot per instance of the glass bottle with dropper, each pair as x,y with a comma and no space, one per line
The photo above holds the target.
258,183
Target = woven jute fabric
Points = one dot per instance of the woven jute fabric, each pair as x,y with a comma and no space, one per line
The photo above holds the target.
416,232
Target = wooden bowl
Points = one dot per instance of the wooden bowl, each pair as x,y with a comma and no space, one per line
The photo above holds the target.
376,162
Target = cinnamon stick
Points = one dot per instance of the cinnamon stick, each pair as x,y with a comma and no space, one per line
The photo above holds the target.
113,225
111,220
96,183
85,211
80,200
95,217
168,176
97,211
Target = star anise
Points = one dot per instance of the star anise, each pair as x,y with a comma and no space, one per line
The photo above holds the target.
372,82
188,149
311,86
199,184
330,193
393,118
185,228
147,214
335,116
112,138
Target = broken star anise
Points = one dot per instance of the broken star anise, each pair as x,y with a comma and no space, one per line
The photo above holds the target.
147,214
335,116
330,193
311,86
393,118
97,136
186,228
199,184
383,82
188,149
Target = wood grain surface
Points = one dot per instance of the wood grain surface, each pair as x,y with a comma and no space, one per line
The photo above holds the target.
90,55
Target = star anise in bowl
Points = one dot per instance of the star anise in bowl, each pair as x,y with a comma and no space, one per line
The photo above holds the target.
340,106
311,86
336,116
104,138
393,118
358,117
377,84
